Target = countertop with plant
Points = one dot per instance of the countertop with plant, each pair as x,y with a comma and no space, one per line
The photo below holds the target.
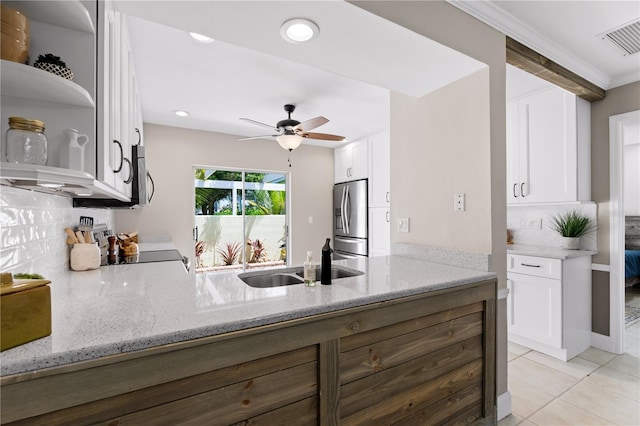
549,252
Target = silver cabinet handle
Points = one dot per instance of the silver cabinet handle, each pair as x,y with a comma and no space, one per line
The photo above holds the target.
522,190
387,216
515,185
530,266
117,170
387,196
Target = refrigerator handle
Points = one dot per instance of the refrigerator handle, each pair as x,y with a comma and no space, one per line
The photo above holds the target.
344,190
346,210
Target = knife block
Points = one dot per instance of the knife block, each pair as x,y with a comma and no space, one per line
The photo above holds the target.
24,316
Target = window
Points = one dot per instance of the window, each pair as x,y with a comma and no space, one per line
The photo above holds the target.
240,219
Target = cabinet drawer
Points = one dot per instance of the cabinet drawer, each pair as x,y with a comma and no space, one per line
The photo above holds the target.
535,266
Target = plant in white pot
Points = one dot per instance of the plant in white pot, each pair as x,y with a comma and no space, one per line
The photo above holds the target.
571,226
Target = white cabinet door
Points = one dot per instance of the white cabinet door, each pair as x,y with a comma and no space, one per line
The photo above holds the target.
379,170
542,148
549,146
359,160
535,308
351,161
342,163
379,231
110,156
514,183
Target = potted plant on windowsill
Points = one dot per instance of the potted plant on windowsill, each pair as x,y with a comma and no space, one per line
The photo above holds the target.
571,226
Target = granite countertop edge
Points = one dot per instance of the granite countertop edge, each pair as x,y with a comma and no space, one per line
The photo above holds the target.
40,362
548,252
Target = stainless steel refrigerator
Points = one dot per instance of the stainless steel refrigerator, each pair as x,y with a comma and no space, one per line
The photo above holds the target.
350,220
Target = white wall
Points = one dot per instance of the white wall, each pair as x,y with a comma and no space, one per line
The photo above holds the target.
173,152
442,23
631,169
443,140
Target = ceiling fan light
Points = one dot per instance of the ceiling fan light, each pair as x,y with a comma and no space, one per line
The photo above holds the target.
289,142
298,30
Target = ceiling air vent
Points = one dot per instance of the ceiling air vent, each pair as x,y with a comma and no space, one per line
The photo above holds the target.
626,38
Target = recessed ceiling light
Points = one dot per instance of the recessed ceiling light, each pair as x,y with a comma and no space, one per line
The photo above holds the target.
50,185
201,38
298,30
181,113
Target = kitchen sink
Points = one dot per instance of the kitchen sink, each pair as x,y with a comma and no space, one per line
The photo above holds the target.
270,280
290,276
336,272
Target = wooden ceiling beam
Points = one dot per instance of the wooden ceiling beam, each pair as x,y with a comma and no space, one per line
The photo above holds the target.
531,61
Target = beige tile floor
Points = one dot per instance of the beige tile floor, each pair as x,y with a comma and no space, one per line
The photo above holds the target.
595,388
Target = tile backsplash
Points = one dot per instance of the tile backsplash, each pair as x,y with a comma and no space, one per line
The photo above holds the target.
530,224
32,230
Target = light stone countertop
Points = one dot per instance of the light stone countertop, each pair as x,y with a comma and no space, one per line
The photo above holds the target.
123,308
549,252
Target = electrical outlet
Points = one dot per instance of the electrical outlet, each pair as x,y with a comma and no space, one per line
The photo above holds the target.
310,220
403,224
529,223
458,202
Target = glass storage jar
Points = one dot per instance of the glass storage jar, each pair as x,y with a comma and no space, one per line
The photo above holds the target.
26,141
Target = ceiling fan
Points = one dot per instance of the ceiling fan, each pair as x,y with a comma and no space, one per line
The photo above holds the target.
289,133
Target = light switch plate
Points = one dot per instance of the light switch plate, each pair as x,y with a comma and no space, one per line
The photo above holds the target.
403,224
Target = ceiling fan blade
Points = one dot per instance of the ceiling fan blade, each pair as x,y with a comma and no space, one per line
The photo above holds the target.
322,136
257,123
257,137
311,124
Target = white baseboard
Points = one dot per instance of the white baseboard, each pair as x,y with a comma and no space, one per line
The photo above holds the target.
504,405
603,342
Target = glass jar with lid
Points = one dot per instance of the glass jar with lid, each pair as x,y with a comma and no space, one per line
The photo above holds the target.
26,141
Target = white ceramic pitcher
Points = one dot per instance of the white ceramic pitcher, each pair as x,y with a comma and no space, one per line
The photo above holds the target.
72,155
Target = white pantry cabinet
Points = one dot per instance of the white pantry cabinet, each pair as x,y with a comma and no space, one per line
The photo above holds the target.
368,158
549,304
379,231
351,161
379,170
548,148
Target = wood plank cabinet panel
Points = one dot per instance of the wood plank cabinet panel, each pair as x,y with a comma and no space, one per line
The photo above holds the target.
463,405
403,405
231,403
289,372
368,360
385,383
299,413
363,339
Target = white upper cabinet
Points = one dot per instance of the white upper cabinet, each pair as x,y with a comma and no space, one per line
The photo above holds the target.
379,170
64,29
548,148
119,103
351,161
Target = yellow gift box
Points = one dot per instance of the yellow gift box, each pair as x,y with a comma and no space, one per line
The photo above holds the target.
25,311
